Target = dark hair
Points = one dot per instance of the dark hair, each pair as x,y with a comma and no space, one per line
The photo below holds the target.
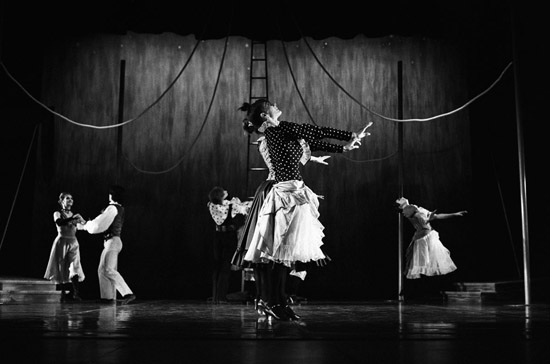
117,193
397,207
216,195
254,111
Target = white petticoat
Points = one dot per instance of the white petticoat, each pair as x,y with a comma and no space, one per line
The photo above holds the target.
288,229
428,256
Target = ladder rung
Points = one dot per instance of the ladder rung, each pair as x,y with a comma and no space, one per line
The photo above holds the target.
258,97
258,169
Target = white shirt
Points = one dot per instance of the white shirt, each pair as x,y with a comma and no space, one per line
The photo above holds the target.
102,221
219,212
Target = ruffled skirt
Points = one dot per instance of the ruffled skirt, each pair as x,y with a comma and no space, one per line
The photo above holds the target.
288,229
427,256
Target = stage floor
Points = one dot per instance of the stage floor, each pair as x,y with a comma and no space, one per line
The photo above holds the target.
148,331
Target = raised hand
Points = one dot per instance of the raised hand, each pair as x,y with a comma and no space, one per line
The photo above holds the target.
353,144
362,133
321,159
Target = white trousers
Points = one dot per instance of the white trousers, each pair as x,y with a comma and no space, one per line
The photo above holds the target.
110,279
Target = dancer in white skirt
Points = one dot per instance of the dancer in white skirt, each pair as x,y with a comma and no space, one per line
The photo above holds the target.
426,255
263,270
288,229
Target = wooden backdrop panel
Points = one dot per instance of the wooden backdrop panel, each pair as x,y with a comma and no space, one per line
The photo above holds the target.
192,140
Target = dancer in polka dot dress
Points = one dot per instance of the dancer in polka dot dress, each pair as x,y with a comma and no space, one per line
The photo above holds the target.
288,229
263,270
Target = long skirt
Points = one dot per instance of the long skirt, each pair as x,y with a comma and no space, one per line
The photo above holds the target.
427,256
246,232
288,229
64,262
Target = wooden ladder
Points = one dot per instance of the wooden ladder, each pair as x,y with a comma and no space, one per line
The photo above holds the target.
259,89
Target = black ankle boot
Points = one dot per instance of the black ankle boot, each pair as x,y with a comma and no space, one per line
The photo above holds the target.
76,293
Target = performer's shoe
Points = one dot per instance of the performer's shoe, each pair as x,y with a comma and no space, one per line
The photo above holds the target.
127,299
278,312
291,314
76,288
260,307
269,312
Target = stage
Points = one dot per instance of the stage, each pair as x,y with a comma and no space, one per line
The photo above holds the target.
151,331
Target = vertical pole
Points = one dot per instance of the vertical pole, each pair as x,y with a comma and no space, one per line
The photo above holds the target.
120,118
2,12
400,175
521,161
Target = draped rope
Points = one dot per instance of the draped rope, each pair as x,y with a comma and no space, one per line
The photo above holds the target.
105,126
307,109
296,84
311,117
202,126
407,120
199,40
386,117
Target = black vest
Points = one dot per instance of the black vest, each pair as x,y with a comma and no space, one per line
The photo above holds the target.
116,226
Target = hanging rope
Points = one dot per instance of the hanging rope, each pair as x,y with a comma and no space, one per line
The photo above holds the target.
311,117
359,103
408,120
205,117
380,115
202,126
307,109
199,40
296,84
19,185
105,126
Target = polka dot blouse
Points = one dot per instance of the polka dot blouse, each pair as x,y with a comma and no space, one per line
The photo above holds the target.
285,149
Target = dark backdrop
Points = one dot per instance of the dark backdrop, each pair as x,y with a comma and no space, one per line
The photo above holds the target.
469,160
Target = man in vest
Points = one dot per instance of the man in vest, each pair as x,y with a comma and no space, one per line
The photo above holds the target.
110,222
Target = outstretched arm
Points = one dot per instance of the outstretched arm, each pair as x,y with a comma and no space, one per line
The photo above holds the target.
312,132
102,221
448,215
